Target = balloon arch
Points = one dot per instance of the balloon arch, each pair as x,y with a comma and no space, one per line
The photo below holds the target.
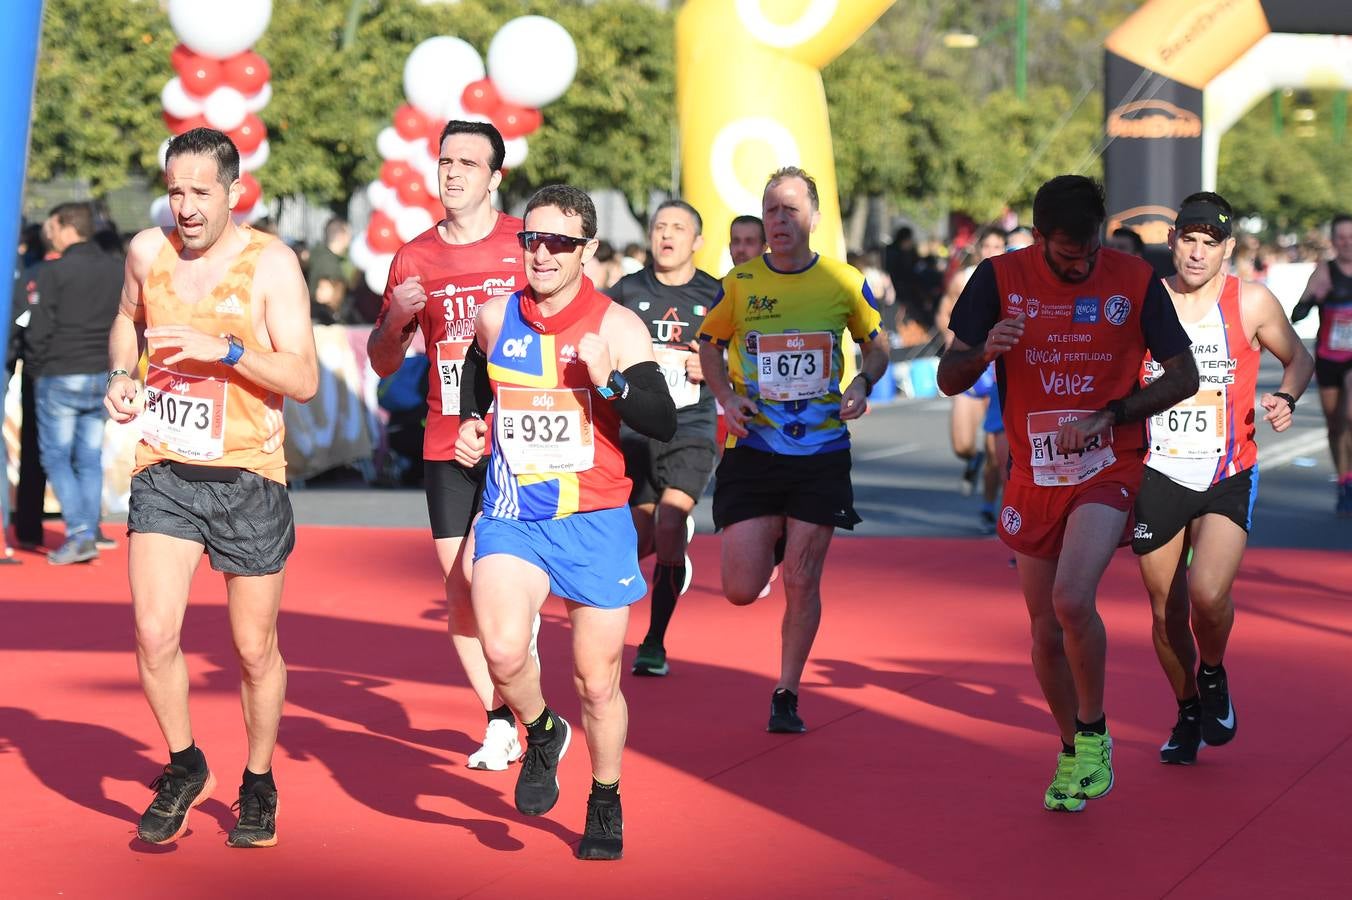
1177,76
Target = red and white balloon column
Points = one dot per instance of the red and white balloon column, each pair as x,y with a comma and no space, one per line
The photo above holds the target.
220,82
531,62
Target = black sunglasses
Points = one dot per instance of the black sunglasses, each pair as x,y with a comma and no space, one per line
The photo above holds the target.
556,244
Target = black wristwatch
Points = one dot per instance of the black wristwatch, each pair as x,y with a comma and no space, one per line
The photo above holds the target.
1118,410
868,382
1290,401
615,388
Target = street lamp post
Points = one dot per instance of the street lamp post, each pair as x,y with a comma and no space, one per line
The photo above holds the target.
966,40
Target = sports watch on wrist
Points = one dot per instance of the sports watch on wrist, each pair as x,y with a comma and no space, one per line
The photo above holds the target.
235,352
1118,410
1290,401
615,387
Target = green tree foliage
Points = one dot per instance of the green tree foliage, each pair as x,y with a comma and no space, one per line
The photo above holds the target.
96,107
1294,180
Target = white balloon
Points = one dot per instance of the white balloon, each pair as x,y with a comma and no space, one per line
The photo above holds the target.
359,251
383,198
411,222
160,213
254,102
437,72
391,146
219,30
225,109
516,152
164,152
252,162
532,61
177,102
378,272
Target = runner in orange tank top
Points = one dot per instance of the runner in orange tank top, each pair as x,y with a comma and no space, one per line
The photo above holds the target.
223,312
1067,324
1201,478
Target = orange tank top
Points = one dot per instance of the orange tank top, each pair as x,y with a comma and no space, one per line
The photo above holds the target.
205,413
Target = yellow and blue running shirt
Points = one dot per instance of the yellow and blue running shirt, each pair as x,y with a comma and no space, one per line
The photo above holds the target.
783,331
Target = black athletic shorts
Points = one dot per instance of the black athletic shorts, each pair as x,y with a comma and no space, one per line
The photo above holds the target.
816,488
685,463
1330,374
455,495
1164,507
245,522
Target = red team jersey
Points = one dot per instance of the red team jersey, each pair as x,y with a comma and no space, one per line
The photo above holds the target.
556,442
458,279
1082,347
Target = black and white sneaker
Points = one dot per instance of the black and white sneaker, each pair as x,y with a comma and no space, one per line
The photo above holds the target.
537,785
257,825
1184,741
603,838
1218,710
177,791
784,718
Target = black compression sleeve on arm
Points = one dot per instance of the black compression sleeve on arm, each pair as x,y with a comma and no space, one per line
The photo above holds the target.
476,394
646,406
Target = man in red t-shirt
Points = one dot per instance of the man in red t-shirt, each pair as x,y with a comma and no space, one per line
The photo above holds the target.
437,283
1068,324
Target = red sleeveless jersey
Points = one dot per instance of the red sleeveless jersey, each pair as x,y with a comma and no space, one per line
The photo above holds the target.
556,441
1082,347
458,279
1210,436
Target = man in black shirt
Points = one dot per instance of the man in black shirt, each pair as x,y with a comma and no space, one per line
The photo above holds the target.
67,344
671,296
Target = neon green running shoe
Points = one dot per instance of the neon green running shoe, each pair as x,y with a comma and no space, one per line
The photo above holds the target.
1057,798
1092,776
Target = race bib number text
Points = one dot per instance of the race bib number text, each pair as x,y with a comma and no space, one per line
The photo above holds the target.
1053,466
1194,429
672,363
450,364
542,431
794,366
184,414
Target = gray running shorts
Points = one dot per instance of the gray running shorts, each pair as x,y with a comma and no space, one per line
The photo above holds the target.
245,524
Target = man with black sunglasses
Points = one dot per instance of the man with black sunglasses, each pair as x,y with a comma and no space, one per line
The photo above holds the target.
565,366
438,282
671,296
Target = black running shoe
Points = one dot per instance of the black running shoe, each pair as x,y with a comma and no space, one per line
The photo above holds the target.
176,791
1184,741
1218,710
784,713
603,838
537,784
257,825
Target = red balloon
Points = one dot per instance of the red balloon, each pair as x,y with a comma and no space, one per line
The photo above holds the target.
201,75
249,135
480,97
411,190
393,172
434,207
248,196
246,72
381,235
516,121
434,146
178,126
409,123
181,59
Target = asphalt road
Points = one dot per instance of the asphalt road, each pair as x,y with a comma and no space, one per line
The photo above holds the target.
906,482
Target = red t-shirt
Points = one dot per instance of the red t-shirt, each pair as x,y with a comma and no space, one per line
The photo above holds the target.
458,278
1083,345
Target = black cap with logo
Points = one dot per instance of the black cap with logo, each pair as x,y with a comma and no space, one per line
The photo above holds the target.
1203,215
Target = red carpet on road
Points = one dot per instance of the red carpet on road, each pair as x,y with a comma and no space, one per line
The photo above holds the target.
921,775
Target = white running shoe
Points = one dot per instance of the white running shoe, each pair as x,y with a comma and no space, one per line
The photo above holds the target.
501,747
765,591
